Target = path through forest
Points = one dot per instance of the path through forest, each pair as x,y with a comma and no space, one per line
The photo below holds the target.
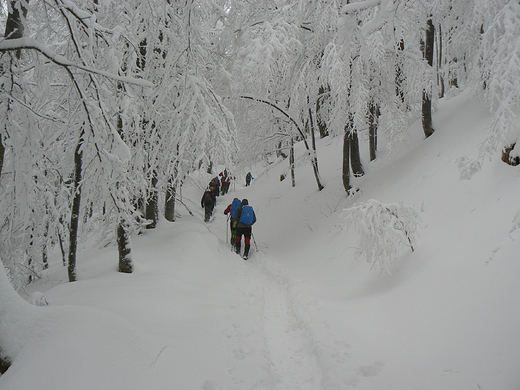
278,325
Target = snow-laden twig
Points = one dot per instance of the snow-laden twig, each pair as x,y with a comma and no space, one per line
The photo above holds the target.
383,230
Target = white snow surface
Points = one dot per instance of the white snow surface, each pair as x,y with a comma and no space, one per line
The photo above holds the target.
303,312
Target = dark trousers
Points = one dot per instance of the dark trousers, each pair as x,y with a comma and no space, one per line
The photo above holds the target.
208,210
246,232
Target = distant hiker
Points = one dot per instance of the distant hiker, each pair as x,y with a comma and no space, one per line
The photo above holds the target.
249,177
215,185
245,217
225,181
231,210
208,203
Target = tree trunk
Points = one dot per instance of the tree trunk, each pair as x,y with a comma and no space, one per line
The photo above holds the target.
427,121
440,78
124,248
314,151
14,28
291,163
373,123
169,207
399,78
346,160
152,204
322,125
76,204
122,235
355,156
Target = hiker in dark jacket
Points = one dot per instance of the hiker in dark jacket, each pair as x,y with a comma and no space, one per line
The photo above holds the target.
231,210
214,184
245,217
208,203
249,177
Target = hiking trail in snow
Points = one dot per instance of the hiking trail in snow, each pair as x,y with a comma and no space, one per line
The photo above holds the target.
283,333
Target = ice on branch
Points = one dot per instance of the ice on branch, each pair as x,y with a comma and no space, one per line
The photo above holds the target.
383,230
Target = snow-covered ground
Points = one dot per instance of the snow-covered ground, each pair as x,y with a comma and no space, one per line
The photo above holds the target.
303,312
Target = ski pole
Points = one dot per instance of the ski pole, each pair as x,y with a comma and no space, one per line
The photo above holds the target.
256,246
227,223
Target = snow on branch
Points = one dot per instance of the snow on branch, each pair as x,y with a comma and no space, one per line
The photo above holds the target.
362,5
33,44
381,16
383,230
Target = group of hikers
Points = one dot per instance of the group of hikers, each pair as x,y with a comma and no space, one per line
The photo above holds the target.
241,214
219,185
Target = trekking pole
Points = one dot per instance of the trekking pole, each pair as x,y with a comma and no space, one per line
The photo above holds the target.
256,246
227,224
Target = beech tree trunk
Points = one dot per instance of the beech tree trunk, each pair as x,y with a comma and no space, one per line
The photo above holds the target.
429,40
14,28
322,125
373,123
346,160
76,204
355,156
169,207
124,248
291,163
152,204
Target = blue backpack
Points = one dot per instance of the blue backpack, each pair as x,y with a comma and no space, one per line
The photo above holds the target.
234,206
247,216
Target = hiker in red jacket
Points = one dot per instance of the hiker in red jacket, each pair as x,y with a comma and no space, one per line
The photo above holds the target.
245,218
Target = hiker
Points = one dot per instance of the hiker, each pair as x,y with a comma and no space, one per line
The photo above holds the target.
215,184
208,203
231,210
245,217
249,177
225,181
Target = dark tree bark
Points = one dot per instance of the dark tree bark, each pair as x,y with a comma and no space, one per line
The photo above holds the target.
355,156
440,79
427,121
346,160
322,125
291,163
152,204
169,207
124,249
373,123
124,246
76,204
14,29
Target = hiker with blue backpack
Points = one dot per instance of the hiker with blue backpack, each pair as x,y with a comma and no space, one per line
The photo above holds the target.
231,210
245,217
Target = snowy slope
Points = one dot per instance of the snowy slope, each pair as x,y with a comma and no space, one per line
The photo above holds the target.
303,312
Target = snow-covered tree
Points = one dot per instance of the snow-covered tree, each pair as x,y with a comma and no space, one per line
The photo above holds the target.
383,231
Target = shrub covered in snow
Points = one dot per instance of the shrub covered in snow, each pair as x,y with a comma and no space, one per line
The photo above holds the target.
383,230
